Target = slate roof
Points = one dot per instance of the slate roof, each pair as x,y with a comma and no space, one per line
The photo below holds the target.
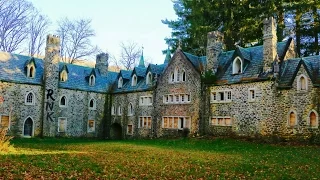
139,71
12,69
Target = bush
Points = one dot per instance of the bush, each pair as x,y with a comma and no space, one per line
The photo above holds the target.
5,145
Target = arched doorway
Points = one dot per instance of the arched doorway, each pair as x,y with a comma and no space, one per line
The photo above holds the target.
28,127
116,131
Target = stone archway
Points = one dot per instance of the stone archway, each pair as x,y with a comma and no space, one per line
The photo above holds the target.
116,131
28,127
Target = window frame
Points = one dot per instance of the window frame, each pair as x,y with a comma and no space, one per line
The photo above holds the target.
113,110
94,126
94,107
142,125
223,119
63,76
215,96
235,66
9,120
119,112
186,122
250,98
66,102
149,78
65,125
299,85
120,82
317,119
131,129
29,68
33,99
144,100
289,118
134,80
130,109
92,80
172,98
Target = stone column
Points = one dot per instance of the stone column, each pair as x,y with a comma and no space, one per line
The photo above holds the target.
214,48
51,81
269,43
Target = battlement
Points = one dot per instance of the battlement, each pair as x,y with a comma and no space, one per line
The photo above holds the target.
53,40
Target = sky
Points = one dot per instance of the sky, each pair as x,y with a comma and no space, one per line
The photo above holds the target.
116,21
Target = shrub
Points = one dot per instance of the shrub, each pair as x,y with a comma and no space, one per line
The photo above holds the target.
5,145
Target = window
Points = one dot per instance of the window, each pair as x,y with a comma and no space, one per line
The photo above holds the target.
145,122
119,110
313,119
130,110
29,99
31,71
63,76
92,80
92,104
221,121
178,74
63,101
176,98
91,125
252,94
5,122
134,80
62,124
183,76
149,78
120,82
145,101
292,119
171,77
302,83
221,96
237,66
113,110
129,129
175,122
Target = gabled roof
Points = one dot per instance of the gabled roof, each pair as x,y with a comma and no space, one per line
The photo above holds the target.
139,71
125,74
156,69
12,68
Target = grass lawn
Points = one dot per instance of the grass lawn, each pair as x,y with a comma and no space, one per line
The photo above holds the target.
157,159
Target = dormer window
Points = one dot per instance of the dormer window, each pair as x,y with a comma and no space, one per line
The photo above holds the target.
237,66
134,80
149,78
63,76
302,83
120,82
92,80
31,71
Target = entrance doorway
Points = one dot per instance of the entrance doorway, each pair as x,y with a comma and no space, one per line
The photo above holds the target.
28,127
116,131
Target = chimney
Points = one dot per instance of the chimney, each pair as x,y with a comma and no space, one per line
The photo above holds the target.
214,48
269,43
102,63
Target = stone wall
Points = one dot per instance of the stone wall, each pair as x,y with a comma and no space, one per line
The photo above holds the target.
248,117
191,86
300,101
124,119
14,106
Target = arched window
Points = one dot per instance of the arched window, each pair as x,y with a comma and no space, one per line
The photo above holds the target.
130,109
171,78
119,110
120,82
29,99
92,104
63,101
302,82
237,66
63,76
313,119
183,76
178,74
149,78
31,71
134,80
92,80
292,119
113,110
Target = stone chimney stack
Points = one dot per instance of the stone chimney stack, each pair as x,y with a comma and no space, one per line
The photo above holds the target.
214,48
51,81
269,43
102,63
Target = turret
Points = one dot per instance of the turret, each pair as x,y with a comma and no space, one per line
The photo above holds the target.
214,48
102,63
141,62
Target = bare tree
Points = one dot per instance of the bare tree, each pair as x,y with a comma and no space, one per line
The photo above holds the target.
75,38
130,53
14,20
37,33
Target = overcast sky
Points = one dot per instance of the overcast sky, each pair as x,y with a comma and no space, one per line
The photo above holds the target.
118,20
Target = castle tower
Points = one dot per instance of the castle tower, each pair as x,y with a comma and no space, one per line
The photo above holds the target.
51,81
141,62
214,48
269,43
102,63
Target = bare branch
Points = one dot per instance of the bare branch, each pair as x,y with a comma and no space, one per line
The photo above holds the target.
129,55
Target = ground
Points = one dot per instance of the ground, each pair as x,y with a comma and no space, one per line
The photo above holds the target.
158,159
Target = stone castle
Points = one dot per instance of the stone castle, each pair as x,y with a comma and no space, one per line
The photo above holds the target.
261,90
